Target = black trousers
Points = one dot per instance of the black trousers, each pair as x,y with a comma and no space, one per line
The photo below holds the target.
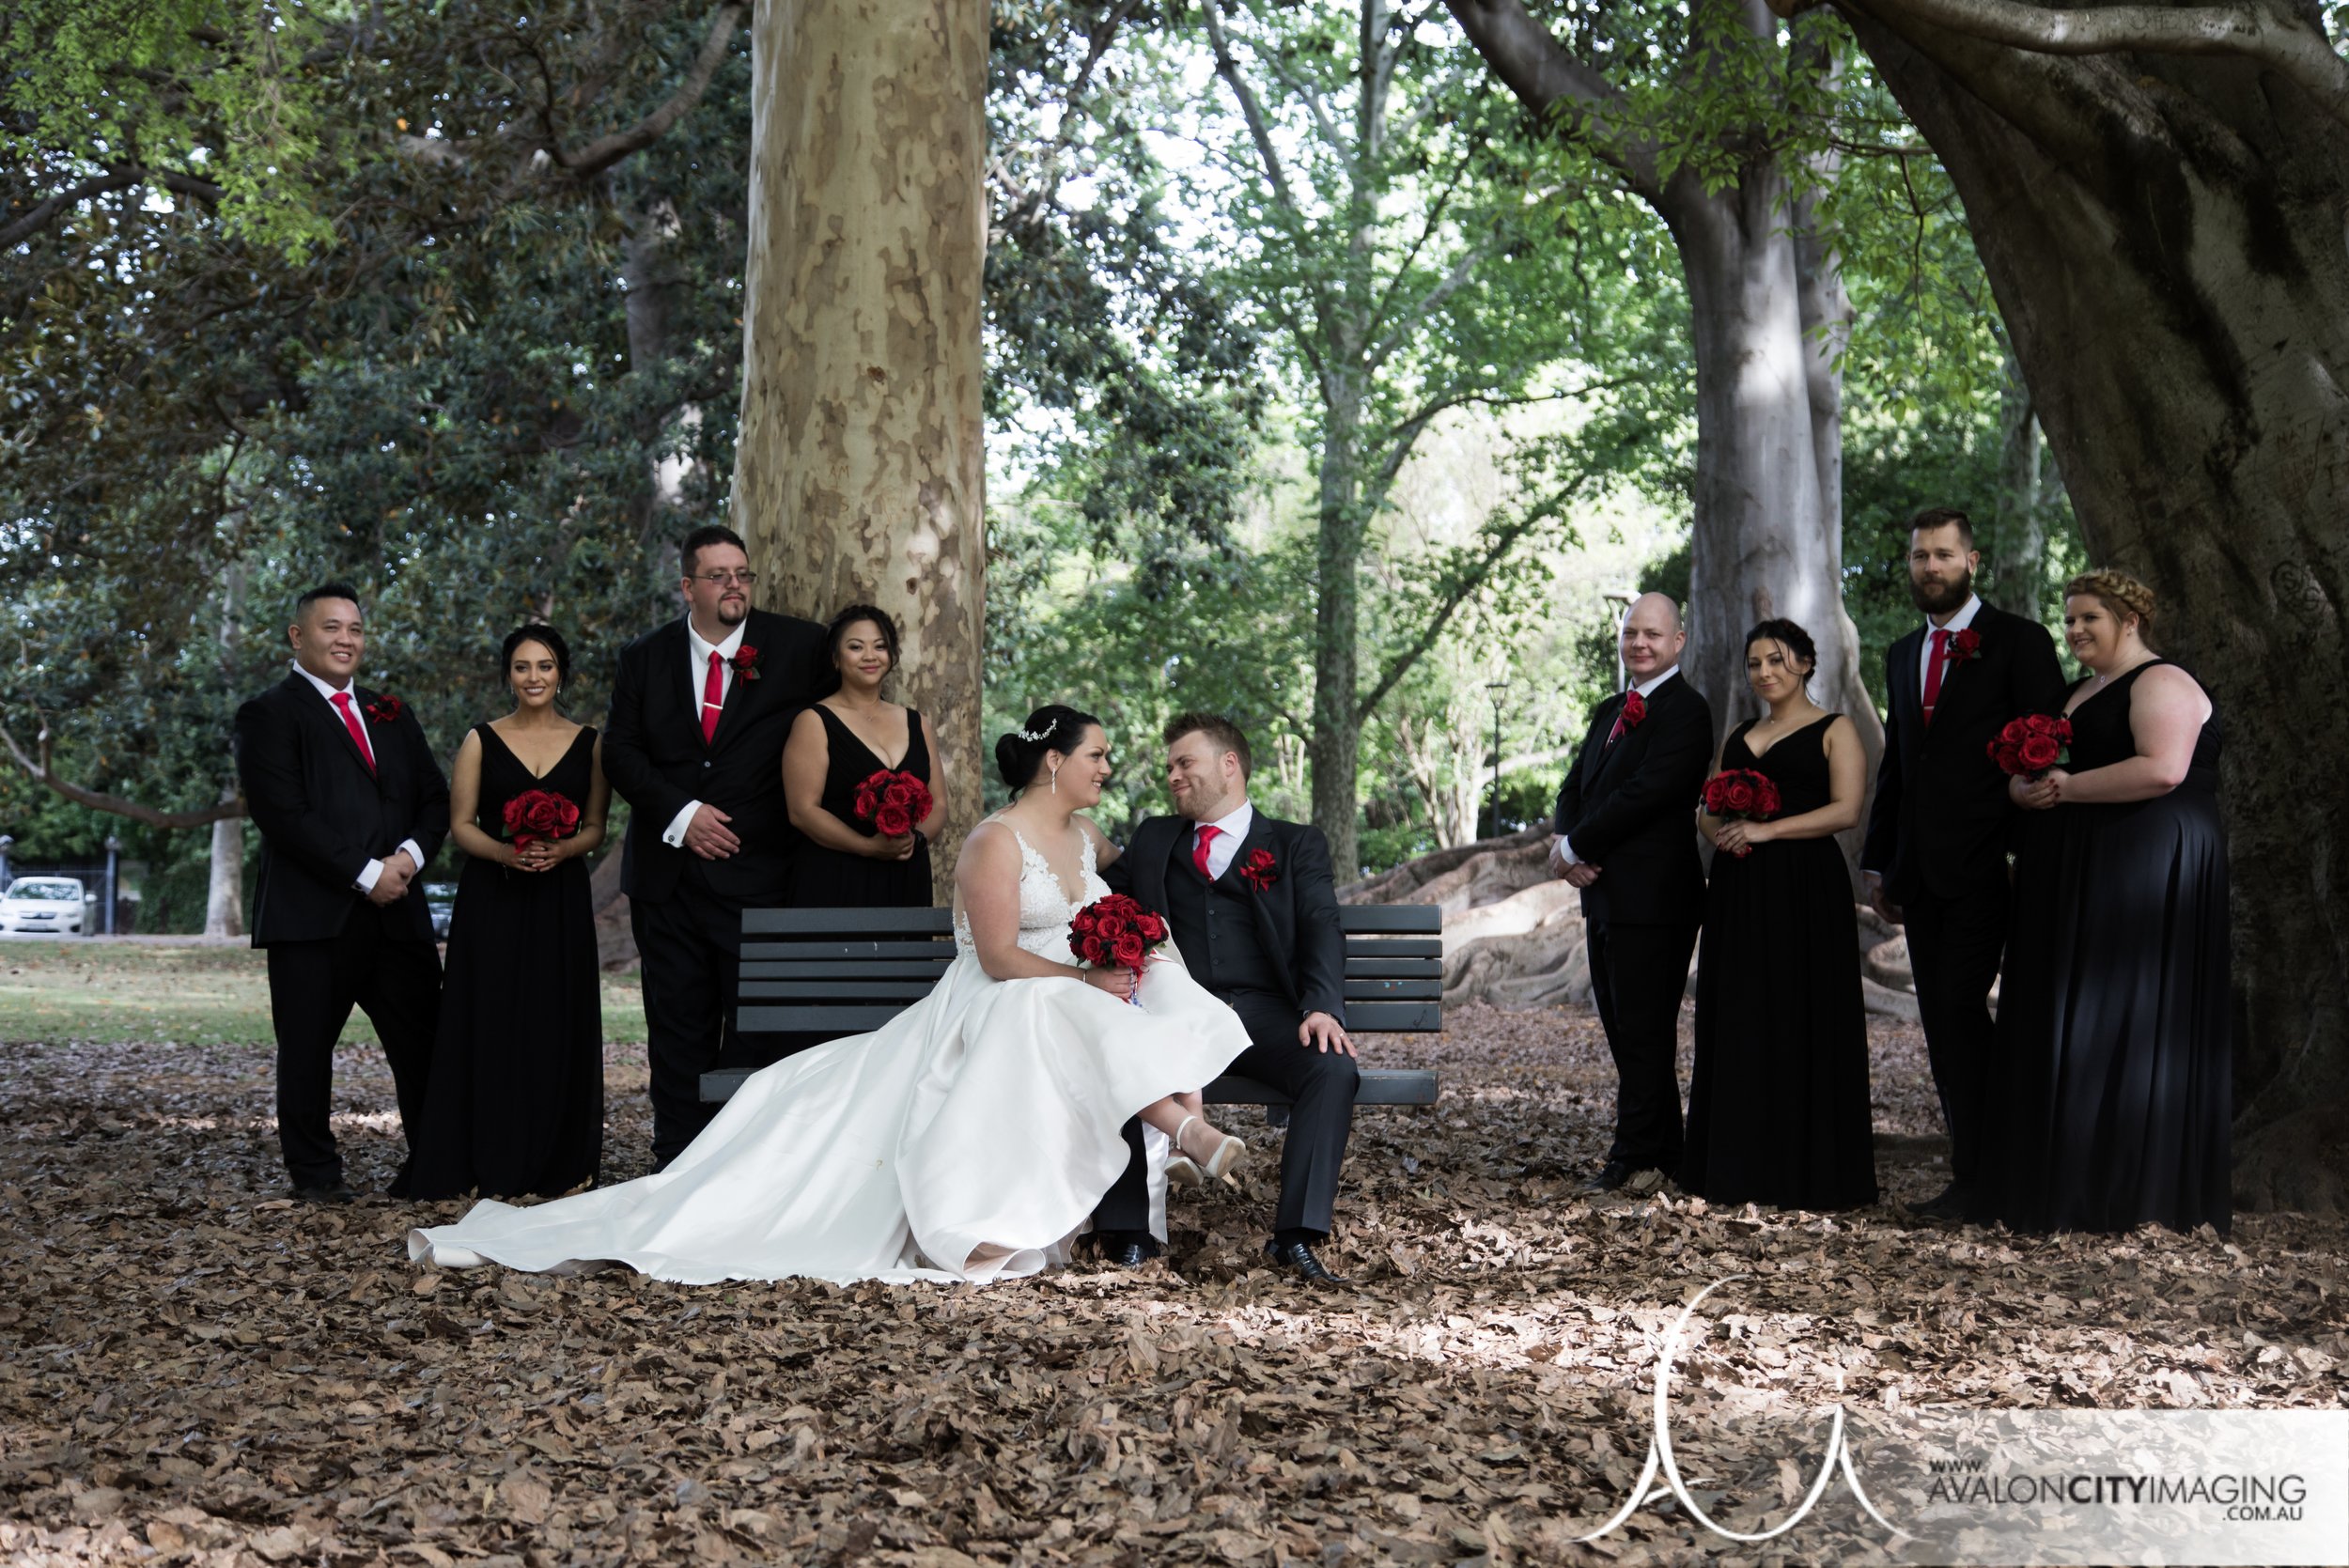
1954,947
1322,1084
690,948
312,989
1639,974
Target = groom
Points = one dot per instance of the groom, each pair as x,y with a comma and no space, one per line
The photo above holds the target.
1254,911
694,744
1935,860
1628,838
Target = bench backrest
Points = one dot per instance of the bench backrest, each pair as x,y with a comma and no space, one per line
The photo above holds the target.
844,971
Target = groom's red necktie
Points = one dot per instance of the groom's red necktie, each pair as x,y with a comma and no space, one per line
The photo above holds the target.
713,695
1933,669
358,731
1208,833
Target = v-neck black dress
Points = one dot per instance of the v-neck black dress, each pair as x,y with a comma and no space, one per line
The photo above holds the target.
823,878
1778,1101
514,1105
2115,1065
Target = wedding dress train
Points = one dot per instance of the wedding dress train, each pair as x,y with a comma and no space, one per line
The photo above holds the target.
968,1139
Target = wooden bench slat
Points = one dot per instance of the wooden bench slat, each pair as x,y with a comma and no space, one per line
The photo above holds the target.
1394,1017
1395,947
1379,1086
816,1020
928,920
1393,991
1394,968
840,952
1355,918
846,969
849,991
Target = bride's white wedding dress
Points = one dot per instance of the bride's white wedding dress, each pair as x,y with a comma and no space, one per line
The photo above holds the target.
968,1139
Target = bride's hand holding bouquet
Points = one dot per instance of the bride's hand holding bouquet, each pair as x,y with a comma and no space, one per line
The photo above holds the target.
1114,938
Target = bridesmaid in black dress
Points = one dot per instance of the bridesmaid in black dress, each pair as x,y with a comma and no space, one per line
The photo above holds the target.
2114,1046
836,746
1778,1104
514,1106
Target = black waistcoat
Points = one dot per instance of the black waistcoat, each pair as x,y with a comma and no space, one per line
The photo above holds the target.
1215,926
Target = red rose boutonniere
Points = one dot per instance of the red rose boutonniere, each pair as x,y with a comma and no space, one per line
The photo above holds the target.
1634,710
387,709
745,662
1966,647
1260,870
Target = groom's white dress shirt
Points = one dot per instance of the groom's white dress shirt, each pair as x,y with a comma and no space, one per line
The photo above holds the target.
1957,623
327,692
1231,831
1646,689
673,836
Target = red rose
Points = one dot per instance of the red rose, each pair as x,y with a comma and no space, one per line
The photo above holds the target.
1112,924
1086,922
892,822
1153,929
1634,710
539,813
386,709
745,662
2040,752
1739,797
1129,950
900,792
1964,645
1765,798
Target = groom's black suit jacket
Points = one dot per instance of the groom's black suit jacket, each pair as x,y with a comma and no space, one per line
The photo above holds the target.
1297,915
1941,818
655,756
1630,808
323,815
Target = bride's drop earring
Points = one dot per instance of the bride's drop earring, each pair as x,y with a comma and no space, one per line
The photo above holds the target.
1056,780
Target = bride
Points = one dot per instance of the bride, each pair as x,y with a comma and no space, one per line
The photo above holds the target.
968,1137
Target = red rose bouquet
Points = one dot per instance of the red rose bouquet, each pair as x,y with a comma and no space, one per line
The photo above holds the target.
539,813
1116,931
1740,794
892,802
2031,745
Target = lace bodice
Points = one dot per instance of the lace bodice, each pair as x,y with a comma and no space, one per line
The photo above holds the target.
1044,907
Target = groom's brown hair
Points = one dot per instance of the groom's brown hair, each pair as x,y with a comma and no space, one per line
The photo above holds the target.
1222,732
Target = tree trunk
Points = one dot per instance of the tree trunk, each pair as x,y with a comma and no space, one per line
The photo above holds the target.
223,900
2018,541
859,475
1767,538
2164,236
1337,737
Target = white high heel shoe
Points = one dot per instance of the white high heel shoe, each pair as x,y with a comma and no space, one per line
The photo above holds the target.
1225,1158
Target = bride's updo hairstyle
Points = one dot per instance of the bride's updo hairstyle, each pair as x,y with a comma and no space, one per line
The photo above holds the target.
2122,596
1053,727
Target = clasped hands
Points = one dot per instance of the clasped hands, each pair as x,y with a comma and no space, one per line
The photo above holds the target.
1738,837
2040,793
391,881
1577,873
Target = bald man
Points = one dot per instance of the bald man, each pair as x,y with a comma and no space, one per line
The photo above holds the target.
1627,836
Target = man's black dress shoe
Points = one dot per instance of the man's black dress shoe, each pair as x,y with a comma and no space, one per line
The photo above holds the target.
1125,1254
1952,1203
1619,1176
327,1192
1298,1257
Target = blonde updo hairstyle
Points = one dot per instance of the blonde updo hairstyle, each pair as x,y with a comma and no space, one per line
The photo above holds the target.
2121,595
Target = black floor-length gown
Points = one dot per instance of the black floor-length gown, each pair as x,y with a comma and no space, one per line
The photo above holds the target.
823,878
2114,1067
1778,1104
514,1106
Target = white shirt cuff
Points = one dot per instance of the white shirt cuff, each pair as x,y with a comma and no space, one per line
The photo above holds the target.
416,851
673,835
1565,851
368,874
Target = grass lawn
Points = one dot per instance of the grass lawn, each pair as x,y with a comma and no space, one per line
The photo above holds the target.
64,989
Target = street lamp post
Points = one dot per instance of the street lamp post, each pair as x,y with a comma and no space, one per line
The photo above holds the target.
1496,687
114,854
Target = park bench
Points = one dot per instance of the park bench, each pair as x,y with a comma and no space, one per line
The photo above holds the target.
843,971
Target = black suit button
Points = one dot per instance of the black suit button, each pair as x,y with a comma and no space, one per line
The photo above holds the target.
705,763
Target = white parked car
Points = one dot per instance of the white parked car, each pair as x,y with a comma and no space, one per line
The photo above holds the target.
46,905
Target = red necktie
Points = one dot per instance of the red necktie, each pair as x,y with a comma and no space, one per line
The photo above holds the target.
1616,733
358,731
713,696
1199,850
1933,669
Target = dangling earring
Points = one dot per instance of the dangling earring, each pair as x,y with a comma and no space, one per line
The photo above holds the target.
1056,780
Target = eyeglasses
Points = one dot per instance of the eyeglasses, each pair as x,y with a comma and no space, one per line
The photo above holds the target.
719,579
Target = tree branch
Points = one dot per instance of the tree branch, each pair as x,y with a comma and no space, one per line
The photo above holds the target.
99,801
1250,110
1548,79
604,152
2252,32
34,221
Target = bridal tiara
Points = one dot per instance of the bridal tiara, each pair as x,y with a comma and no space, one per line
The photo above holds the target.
1039,734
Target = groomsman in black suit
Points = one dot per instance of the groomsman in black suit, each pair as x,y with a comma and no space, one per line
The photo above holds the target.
1254,907
1935,860
351,805
693,743
1627,837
